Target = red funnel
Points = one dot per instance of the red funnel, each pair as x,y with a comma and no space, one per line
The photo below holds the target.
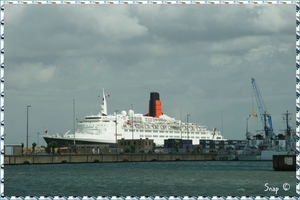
155,109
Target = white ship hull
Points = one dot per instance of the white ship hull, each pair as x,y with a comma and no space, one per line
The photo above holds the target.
268,154
265,155
66,141
248,157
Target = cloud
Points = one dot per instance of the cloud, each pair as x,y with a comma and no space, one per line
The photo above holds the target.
29,75
269,19
112,23
15,13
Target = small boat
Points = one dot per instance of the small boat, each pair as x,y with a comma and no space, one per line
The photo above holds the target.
228,153
250,153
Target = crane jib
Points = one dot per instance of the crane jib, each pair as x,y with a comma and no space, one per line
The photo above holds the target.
267,123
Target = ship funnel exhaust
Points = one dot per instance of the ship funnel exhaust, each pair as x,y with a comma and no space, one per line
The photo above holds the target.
155,109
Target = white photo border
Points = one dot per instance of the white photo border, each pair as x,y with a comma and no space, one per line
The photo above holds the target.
297,6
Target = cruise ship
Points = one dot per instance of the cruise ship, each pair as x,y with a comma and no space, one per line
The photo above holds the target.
107,129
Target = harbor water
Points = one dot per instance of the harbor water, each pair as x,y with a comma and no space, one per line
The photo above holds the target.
193,178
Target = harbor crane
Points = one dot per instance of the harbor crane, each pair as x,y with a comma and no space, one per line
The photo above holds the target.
266,118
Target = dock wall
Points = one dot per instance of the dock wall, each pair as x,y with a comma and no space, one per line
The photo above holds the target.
88,158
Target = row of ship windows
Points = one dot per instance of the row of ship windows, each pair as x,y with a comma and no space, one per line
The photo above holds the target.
192,132
162,136
134,143
214,147
178,132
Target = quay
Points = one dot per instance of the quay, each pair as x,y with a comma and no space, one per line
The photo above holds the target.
103,158
284,162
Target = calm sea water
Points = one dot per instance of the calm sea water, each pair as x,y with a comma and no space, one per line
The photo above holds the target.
196,178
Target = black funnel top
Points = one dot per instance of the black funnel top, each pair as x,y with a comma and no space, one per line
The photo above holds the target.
154,96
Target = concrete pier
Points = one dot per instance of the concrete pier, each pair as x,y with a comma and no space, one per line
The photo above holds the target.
90,158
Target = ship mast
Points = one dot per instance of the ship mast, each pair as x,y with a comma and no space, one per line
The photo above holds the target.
288,135
103,106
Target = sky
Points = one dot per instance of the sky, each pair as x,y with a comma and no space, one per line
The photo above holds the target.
199,58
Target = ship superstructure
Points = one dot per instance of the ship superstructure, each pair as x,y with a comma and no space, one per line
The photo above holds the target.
107,129
263,146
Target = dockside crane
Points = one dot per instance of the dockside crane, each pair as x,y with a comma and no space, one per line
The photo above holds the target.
264,115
